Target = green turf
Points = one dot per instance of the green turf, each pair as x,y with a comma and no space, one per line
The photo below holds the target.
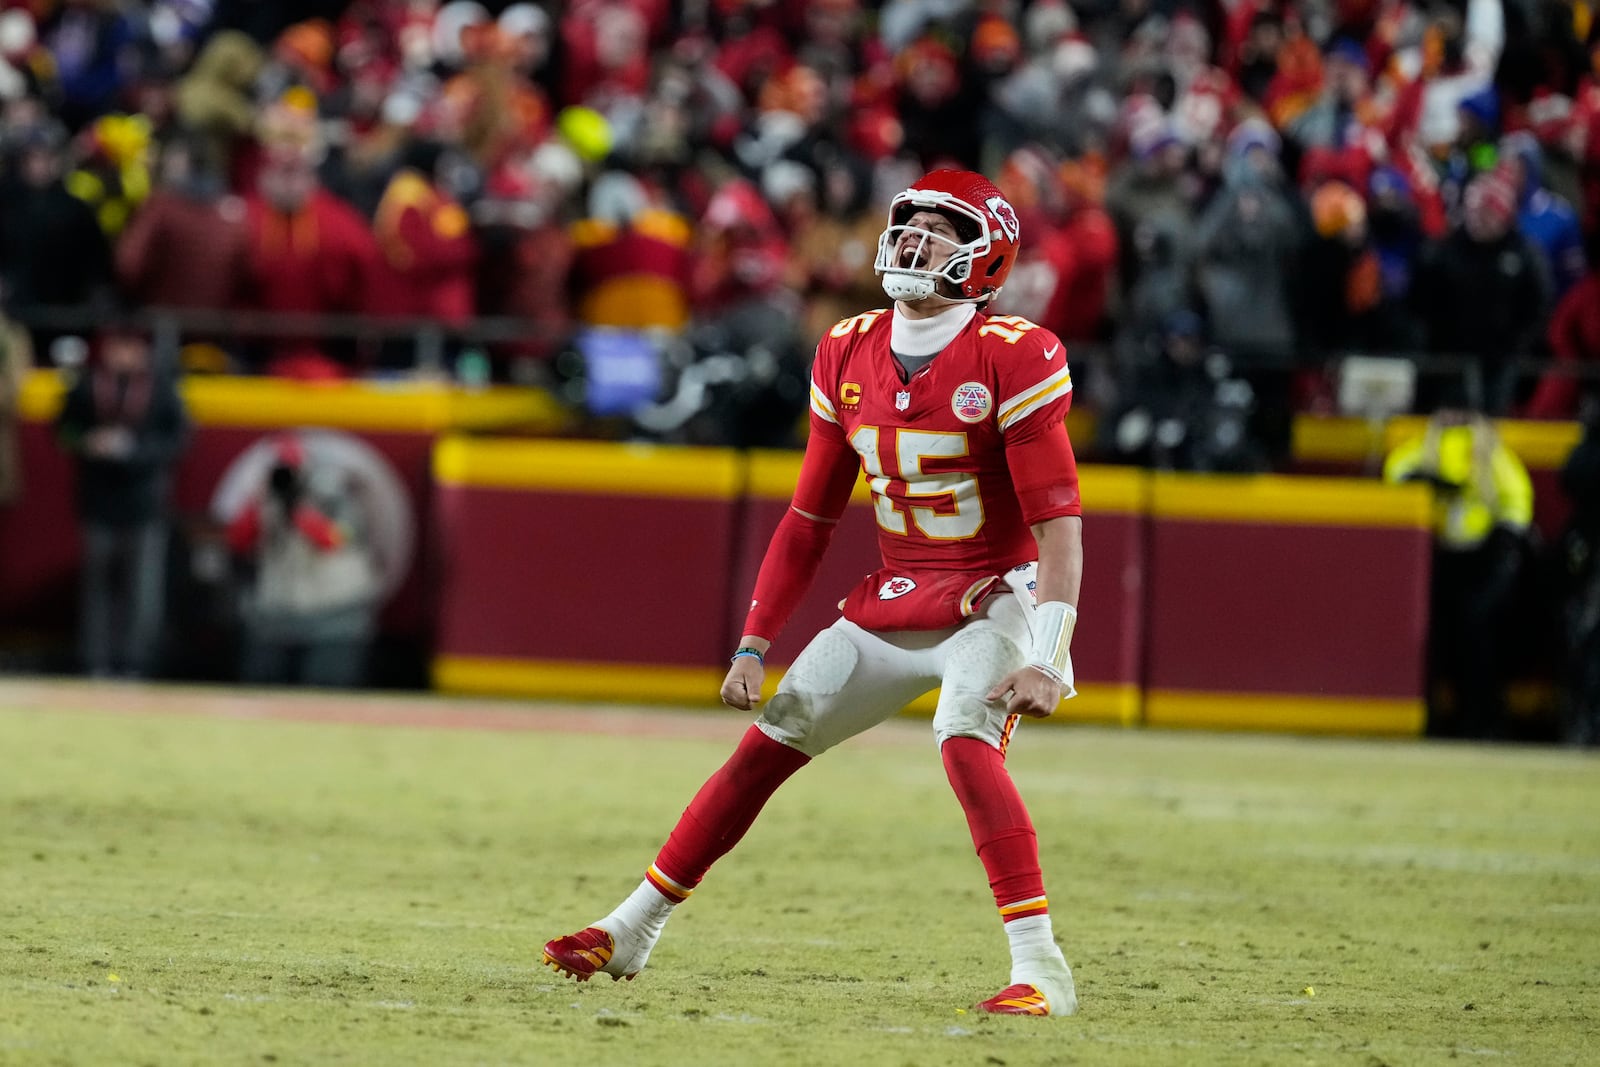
270,892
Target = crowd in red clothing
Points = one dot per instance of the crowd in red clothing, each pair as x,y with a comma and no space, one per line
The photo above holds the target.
1277,181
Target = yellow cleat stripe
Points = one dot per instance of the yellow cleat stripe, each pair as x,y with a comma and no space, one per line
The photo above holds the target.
1026,1006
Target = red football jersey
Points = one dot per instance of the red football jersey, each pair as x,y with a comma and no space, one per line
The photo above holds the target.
934,448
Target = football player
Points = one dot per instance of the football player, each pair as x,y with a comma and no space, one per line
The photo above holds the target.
957,420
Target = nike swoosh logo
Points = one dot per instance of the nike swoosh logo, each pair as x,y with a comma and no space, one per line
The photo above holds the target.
1050,353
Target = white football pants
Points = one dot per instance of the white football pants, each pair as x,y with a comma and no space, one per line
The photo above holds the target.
848,679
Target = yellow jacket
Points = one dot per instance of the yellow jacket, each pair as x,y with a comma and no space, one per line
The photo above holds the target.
1479,482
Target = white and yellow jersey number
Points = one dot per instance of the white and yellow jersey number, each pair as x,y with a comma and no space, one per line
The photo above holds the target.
954,508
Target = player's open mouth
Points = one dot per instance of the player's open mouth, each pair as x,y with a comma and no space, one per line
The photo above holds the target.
911,258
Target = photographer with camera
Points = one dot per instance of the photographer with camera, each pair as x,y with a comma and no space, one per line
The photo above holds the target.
1482,509
311,610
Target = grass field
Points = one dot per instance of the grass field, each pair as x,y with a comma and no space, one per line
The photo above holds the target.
197,877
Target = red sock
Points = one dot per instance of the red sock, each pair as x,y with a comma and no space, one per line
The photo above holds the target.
1001,830
722,811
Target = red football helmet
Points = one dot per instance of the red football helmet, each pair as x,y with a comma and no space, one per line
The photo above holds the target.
979,262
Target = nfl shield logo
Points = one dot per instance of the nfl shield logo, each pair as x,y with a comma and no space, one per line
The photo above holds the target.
902,400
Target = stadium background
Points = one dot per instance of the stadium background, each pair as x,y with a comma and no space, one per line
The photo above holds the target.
625,221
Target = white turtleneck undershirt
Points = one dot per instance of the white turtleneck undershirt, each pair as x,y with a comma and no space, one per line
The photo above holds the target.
915,341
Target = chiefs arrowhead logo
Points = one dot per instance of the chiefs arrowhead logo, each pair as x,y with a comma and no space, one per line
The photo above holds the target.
896,586
1005,215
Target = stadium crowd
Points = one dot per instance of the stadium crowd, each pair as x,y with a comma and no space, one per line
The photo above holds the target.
1220,194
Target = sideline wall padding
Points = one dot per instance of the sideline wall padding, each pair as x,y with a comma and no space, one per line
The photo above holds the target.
607,571
616,572
1287,603
582,569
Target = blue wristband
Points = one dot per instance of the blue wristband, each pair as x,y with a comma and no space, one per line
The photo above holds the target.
756,652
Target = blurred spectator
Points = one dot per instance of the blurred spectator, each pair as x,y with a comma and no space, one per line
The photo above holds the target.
939,102
185,247
310,612
1580,137
1456,57
52,251
1255,60
604,51
1355,288
301,55
125,424
527,252
1334,120
631,262
1543,51
214,98
16,357
113,171
1579,557
1342,281
427,252
1247,247
1395,222
95,52
1544,218
833,236
1247,243
1297,76
1066,272
742,253
1574,338
308,251
1475,150
492,109
1151,201
27,70
1483,506
1206,102
367,141
1483,292
790,106
1162,291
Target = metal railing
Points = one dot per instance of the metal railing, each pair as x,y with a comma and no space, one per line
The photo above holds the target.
170,327
432,340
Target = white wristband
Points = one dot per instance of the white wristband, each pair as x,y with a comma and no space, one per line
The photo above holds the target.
1053,622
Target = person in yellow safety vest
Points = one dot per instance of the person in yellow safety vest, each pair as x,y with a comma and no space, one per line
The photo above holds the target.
1483,506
